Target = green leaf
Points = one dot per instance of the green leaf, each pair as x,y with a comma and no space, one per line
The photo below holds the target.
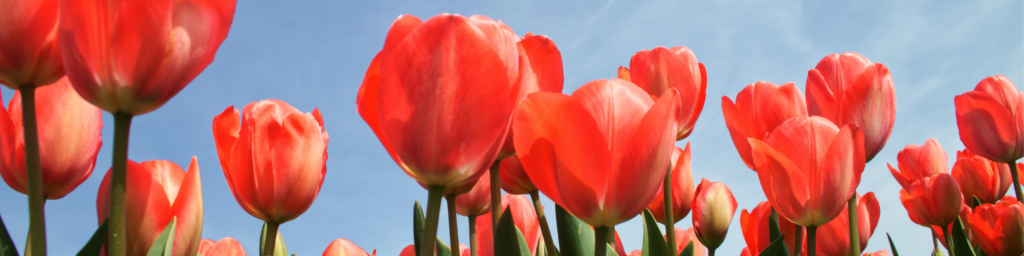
892,245
654,242
773,229
524,248
575,237
611,251
418,221
442,249
279,247
92,248
975,202
541,248
961,244
688,251
776,247
7,247
165,242
508,240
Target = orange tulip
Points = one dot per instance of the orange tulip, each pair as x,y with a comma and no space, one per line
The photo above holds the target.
684,237
29,43
848,88
275,161
524,217
934,200
440,94
478,200
713,208
160,191
227,246
883,252
965,214
759,109
917,162
980,177
991,119
540,70
834,236
755,229
344,247
69,139
514,179
133,56
682,188
999,227
601,153
658,70
809,180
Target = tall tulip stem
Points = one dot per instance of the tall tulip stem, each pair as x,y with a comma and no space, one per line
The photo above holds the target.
453,224
670,220
799,237
601,240
495,194
472,236
36,199
812,234
854,227
119,166
430,228
545,231
270,239
1016,181
949,240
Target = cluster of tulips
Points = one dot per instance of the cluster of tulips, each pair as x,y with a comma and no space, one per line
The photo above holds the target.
467,108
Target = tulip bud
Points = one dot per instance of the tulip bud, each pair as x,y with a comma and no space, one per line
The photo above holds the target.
661,69
227,246
989,119
934,200
916,162
713,208
980,177
999,227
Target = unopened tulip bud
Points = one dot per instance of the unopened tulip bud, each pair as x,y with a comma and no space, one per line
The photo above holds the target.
713,208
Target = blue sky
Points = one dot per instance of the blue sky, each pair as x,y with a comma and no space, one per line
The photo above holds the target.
313,54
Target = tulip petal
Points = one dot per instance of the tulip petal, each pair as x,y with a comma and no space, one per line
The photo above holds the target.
545,62
840,173
782,181
225,134
985,125
401,27
871,103
739,130
821,101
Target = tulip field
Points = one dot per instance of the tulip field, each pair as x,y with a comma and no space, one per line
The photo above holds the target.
497,137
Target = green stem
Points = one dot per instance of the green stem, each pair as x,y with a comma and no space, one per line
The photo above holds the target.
453,224
949,240
601,241
544,229
797,249
854,227
270,240
935,241
117,238
36,199
1016,181
472,236
711,252
670,221
430,228
812,234
495,194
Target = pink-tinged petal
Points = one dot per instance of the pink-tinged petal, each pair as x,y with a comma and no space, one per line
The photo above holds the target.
343,247
871,104
840,174
713,209
227,246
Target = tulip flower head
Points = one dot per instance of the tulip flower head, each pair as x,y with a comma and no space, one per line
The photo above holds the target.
847,88
69,139
601,153
982,178
29,43
160,191
686,235
273,156
934,200
540,70
227,246
991,119
478,200
523,215
965,215
754,224
999,227
834,236
682,188
344,247
759,109
514,179
917,162
883,252
713,208
660,69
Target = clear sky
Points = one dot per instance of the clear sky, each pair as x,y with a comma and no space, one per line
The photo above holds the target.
314,53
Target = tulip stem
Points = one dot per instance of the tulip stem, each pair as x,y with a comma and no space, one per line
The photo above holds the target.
935,241
545,231
117,238
430,228
270,239
949,240
453,224
472,236
495,194
812,234
799,237
1016,181
854,227
711,252
36,199
670,221
601,241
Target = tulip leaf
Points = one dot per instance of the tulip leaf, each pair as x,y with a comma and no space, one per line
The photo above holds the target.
418,221
654,242
961,244
508,240
975,203
165,242
442,249
688,251
611,251
892,245
541,248
575,237
776,247
773,228
7,247
95,243
279,247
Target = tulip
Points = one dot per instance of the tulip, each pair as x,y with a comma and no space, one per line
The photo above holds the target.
759,109
965,214
636,253
29,43
274,162
514,180
755,229
684,237
991,122
834,236
69,139
160,192
410,250
934,200
570,147
624,75
682,188
227,246
658,70
522,215
917,162
883,252
344,247
999,227
478,200
713,208
980,177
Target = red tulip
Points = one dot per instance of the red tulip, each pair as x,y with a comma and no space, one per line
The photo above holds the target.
69,139
684,237
619,249
524,217
809,180
540,70
883,252
834,237
636,253
991,119
917,162
514,179
411,251
601,153
440,94
755,229
848,88
344,247
934,200
277,146
682,188
759,109
478,200
999,227
160,191
658,70
965,214
227,246
980,177
713,208
132,56
29,43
